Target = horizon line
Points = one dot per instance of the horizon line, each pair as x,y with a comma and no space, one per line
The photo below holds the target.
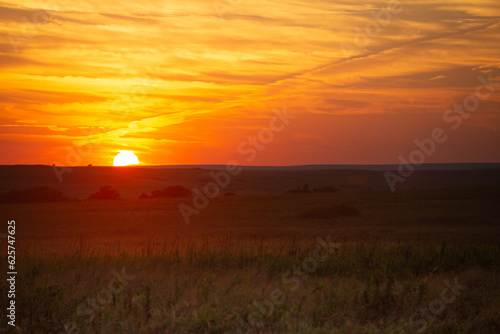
302,166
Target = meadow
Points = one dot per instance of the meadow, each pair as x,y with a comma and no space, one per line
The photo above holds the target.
412,261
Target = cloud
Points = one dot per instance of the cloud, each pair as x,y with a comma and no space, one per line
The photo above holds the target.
25,15
173,73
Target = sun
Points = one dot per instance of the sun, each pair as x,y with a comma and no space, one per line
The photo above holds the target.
125,158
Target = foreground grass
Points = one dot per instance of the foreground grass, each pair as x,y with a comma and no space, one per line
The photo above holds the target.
208,286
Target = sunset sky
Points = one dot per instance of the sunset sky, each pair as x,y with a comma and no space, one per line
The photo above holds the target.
178,83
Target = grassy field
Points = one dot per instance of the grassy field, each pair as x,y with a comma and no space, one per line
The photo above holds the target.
347,262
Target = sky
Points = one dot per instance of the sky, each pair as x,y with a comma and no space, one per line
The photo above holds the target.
192,82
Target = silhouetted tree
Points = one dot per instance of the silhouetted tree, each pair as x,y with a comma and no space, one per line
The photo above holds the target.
105,192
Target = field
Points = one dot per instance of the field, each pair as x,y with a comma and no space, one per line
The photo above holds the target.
365,261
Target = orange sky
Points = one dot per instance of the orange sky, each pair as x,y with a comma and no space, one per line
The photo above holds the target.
178,84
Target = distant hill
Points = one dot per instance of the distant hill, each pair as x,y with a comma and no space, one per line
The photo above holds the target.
131,182
437,166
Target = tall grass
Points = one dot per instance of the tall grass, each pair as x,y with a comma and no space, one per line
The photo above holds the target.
204,285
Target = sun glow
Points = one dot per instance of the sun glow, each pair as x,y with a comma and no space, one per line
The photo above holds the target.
125,158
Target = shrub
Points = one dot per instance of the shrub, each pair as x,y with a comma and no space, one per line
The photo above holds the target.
35,194
306,190
172,191
325,190
300,190
105,192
